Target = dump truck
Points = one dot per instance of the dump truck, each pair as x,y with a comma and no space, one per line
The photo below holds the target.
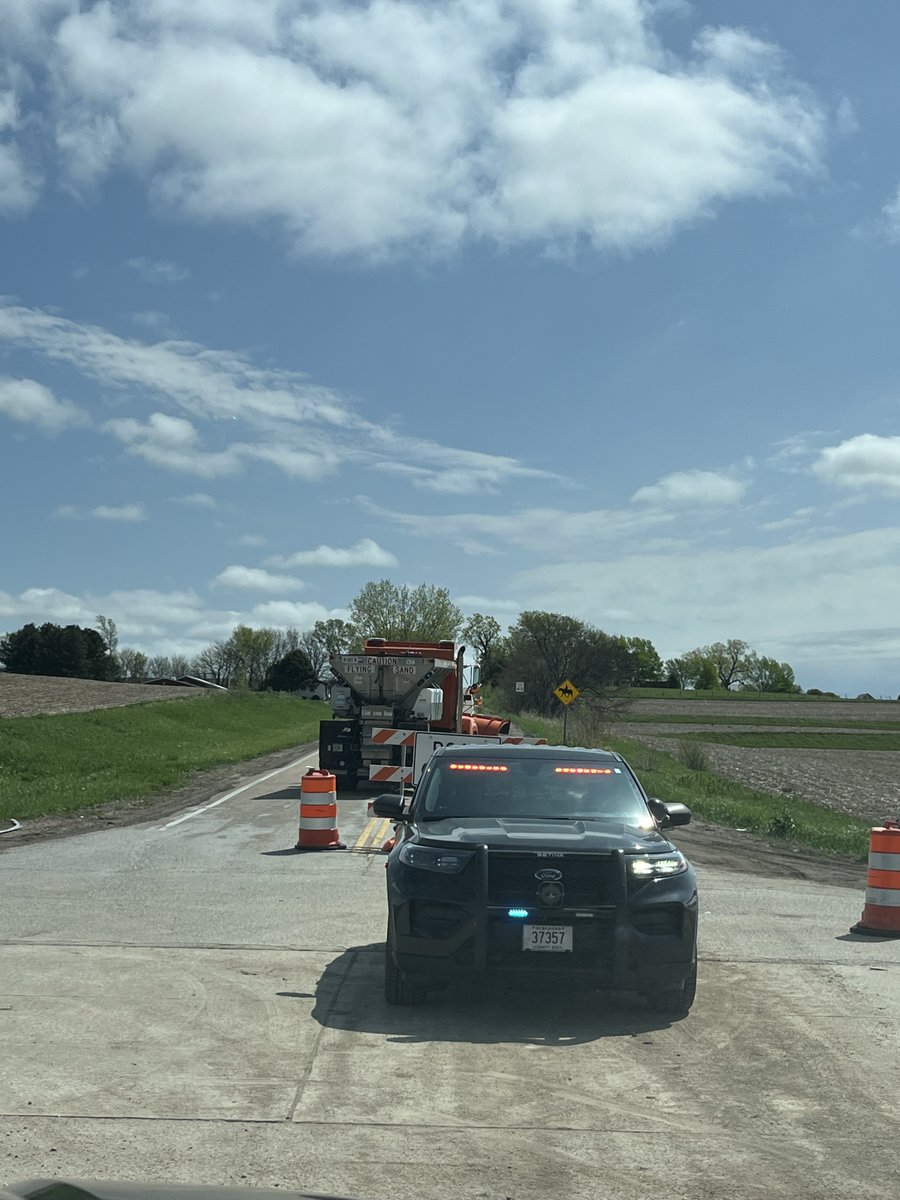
390,691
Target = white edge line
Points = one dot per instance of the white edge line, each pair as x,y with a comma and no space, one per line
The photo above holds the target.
195,812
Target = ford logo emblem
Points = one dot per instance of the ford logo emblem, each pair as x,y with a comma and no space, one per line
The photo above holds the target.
549,874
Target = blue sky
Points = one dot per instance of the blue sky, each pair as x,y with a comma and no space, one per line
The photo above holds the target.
580,306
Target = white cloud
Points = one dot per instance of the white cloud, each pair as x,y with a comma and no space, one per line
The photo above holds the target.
368,127
366,553
121,512
255,579
795,600
490,608
172,442
287,614
102,512
798,518
537,530
864,463
251,539
199,500
304,429
19,182
151,318
18,186
699,489
154,621
890,218
299,464
32,403
158,271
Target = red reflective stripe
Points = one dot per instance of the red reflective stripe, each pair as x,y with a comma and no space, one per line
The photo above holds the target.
883,879
885,841
318,810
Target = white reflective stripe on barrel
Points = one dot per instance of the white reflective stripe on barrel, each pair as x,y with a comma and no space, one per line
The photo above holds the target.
883,897
884,862
318,822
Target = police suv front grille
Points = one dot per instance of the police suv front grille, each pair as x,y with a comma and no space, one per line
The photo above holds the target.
587,880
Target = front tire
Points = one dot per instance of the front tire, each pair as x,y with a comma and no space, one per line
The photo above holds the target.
396,988
676,1002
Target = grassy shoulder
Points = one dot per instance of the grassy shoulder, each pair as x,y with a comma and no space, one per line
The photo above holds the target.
725,802
58,764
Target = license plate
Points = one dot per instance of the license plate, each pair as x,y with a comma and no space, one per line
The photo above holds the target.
547,937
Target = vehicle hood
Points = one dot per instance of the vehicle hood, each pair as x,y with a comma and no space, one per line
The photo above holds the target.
534,833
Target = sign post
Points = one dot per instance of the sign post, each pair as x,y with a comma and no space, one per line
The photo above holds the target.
565,694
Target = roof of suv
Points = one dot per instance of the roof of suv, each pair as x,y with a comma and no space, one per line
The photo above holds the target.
506,749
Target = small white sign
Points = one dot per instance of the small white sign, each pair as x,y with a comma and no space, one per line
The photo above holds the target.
427,743
520,685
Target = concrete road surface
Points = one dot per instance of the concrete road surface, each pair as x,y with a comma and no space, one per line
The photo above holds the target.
190,1001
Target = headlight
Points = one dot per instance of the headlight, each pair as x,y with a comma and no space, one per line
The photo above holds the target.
651,866
430,858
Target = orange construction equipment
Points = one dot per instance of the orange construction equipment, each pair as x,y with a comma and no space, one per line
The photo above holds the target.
881,915
318,812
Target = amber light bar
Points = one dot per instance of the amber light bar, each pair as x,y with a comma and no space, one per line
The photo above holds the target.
477,767
584,770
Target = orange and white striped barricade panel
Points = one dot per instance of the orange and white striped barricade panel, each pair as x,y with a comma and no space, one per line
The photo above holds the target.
881,914
393,737
390,774
318,812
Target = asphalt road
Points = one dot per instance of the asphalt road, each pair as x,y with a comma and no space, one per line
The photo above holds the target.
190,1001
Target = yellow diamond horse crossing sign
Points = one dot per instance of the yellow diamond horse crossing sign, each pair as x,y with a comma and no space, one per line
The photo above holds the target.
566,692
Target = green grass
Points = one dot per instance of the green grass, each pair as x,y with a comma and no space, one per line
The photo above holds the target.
725,802
58,764
796,741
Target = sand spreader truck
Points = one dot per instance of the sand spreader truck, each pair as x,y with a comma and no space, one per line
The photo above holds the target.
393,705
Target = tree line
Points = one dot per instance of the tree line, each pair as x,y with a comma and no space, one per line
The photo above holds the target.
526,662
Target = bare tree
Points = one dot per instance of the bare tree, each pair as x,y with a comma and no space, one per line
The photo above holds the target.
108,632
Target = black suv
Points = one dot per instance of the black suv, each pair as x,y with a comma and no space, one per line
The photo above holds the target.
540,859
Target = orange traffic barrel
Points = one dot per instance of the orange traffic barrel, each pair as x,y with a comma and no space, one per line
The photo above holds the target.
318,812
881,915
490,726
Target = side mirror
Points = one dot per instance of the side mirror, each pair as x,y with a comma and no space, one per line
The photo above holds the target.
671,814
389,805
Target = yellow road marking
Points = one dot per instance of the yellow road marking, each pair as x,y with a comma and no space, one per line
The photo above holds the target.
375,831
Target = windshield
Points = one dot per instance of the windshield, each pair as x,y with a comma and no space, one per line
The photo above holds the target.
531,788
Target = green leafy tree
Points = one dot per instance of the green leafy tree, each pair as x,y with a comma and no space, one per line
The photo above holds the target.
109,633
133,665
398,612
69,651
326,639
254,650
546,648
687,667
484,635
708,677
733,661
769,675
646,666
292,673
